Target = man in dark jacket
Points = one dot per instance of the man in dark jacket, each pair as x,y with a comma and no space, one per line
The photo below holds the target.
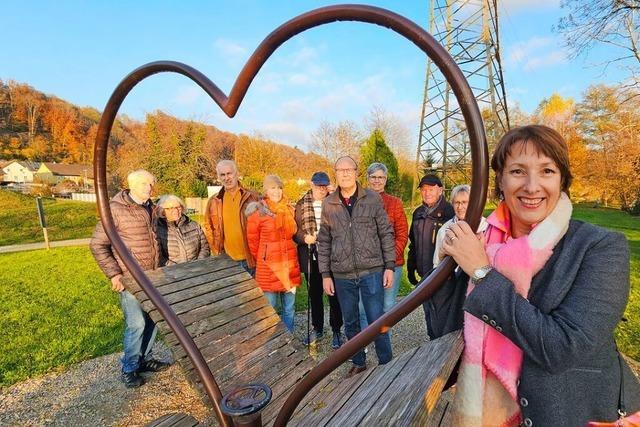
308,214
425,223
356,245
131,210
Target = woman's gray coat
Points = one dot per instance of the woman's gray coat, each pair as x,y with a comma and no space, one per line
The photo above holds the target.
180,241
570,374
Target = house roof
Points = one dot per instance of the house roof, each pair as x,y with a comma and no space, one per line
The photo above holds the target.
29,165
62,169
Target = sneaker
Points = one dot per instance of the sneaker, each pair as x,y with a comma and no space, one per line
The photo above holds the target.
153,365
312,338
131,379
337,341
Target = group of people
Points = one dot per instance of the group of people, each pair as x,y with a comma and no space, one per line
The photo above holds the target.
538,294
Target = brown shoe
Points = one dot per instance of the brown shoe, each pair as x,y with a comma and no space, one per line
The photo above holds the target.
355,370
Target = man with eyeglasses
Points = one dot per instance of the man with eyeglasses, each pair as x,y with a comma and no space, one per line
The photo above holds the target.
356,255
132,215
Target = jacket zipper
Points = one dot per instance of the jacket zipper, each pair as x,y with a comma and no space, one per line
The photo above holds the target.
353,252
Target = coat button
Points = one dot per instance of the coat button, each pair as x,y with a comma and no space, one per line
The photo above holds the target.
485,317
492,323
498,328
528,422
524,402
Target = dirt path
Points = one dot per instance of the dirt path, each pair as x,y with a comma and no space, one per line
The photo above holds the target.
90,393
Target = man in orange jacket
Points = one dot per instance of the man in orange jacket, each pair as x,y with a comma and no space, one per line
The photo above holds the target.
225,224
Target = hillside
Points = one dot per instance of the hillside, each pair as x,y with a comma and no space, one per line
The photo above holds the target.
181,153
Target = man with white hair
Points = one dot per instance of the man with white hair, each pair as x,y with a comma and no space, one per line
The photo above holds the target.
131,210
225,224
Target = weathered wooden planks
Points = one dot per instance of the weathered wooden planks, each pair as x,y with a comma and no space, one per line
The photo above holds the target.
174,420
402,393
243,340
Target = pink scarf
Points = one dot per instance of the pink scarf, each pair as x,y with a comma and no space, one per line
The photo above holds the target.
486,392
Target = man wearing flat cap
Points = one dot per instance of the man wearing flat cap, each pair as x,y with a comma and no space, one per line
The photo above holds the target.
425,223
308,210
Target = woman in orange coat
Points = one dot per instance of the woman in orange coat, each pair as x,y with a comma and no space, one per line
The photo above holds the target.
270,229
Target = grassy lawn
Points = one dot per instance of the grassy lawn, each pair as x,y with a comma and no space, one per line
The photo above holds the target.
66,219
56,309
628,332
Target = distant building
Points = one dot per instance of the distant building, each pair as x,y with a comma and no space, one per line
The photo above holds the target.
53,173
20,171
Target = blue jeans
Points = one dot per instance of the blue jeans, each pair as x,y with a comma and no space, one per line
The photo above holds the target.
139,332
287,302
390,295
251,271
369,290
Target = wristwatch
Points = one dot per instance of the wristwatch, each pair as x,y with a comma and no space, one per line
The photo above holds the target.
480,273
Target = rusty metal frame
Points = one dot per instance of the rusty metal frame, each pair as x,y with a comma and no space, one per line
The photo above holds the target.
230,105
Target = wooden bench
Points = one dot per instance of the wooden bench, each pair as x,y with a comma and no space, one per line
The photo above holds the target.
243,340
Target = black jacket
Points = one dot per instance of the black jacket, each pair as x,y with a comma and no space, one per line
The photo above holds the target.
422,236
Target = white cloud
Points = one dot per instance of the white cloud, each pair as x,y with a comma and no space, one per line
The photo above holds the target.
537,52
520,51
188,95
286,132
300,79
298,110
551,58
229,48
516,5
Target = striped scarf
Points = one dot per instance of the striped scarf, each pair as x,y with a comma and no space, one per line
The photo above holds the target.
487,392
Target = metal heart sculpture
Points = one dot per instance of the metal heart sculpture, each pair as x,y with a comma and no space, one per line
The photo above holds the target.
230,104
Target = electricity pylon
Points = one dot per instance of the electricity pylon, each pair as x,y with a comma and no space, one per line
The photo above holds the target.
469,31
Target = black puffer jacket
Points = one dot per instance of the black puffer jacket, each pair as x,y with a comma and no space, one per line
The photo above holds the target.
180,241
422,236
355,245
133,222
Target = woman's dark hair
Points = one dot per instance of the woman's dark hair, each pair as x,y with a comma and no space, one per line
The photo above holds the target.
545,140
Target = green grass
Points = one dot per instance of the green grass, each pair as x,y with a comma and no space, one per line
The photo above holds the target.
56,309
628,332
66,219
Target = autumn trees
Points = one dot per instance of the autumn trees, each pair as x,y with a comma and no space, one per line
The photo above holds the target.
602,134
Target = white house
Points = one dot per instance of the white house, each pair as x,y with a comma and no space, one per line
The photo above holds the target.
20,171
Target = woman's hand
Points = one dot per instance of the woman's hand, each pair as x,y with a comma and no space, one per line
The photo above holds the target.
466,248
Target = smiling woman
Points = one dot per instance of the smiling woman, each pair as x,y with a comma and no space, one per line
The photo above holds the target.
542,303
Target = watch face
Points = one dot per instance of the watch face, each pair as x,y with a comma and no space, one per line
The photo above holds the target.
480,273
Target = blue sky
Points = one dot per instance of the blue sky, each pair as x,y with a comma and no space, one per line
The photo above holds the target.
79,51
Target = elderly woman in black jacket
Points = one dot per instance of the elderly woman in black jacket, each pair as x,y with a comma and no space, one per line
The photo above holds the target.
180,238
545,295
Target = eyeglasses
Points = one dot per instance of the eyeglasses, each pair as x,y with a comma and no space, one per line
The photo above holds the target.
464,203
377,177
349,171
173,208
